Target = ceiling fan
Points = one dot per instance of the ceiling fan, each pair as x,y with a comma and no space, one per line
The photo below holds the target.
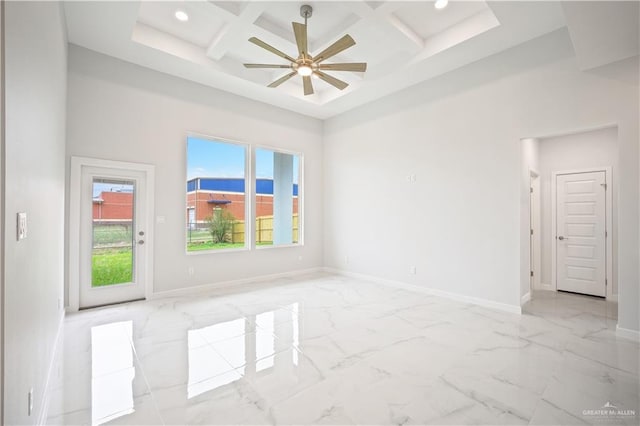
306,65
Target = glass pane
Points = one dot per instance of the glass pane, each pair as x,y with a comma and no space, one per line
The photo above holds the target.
277,186
112,249
215,209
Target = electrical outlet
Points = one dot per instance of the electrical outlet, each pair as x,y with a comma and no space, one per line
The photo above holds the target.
30,401
191,271
22,226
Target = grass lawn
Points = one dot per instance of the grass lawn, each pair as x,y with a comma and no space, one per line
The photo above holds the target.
111,266
212,246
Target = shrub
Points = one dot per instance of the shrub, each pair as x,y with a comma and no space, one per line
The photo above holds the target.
220,226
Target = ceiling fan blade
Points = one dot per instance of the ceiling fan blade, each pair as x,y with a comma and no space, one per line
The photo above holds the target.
332,80
300,31
337,47
281,80
308,86
266,66
356,67
271,49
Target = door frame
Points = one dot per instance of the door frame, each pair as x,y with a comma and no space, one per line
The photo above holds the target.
535,224
75,197
608,244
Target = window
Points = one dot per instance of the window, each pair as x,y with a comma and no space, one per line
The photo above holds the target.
216,202
277,198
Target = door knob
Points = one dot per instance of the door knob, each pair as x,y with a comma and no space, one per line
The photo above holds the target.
561,238
140,242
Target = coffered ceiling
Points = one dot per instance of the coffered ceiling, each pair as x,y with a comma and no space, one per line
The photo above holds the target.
403,42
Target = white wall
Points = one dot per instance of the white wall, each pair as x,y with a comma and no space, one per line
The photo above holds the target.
460,134
36,75
529,160
584,150
2,183
119,111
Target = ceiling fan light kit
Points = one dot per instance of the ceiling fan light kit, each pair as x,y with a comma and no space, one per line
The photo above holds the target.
306,65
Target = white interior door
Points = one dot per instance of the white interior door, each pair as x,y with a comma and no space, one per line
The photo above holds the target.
113,213
580,233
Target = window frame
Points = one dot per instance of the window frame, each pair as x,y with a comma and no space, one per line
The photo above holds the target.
300,155
249,194
248,226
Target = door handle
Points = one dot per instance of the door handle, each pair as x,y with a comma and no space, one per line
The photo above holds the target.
140,242
561,238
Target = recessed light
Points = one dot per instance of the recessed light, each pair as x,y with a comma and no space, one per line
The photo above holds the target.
182,16
441,4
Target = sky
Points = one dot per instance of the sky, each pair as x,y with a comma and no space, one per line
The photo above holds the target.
99,187
207,158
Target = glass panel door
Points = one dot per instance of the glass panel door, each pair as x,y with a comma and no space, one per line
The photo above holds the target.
113,221
113,235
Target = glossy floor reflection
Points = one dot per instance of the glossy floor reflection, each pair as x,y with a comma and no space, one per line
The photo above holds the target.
335,350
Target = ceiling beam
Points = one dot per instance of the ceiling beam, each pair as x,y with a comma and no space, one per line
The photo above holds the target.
384,19
236,29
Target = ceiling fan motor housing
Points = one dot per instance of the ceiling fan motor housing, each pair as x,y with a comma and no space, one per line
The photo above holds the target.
306,11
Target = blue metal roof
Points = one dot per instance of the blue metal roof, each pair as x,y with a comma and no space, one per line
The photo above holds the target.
263,186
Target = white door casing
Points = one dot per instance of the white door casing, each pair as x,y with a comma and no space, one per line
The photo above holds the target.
83,171
581,226
535,227
128,289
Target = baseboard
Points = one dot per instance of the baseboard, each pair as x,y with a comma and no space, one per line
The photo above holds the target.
223,286
546,287
431,291
627,333
524,299
46,396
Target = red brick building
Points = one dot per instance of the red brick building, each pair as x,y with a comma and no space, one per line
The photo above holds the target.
206,194
203,196
113,207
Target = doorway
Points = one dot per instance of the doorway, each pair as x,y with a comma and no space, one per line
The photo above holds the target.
110,253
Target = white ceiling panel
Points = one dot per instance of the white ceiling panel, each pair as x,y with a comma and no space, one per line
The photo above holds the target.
426,20
402,42
200,29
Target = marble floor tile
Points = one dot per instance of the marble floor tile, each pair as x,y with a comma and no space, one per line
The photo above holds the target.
581,385
327,349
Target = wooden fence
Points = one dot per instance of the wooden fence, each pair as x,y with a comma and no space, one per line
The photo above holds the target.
264,230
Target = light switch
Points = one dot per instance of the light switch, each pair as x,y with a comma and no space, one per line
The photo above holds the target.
22,226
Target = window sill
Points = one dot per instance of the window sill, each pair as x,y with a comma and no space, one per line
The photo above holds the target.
273,246
213,251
